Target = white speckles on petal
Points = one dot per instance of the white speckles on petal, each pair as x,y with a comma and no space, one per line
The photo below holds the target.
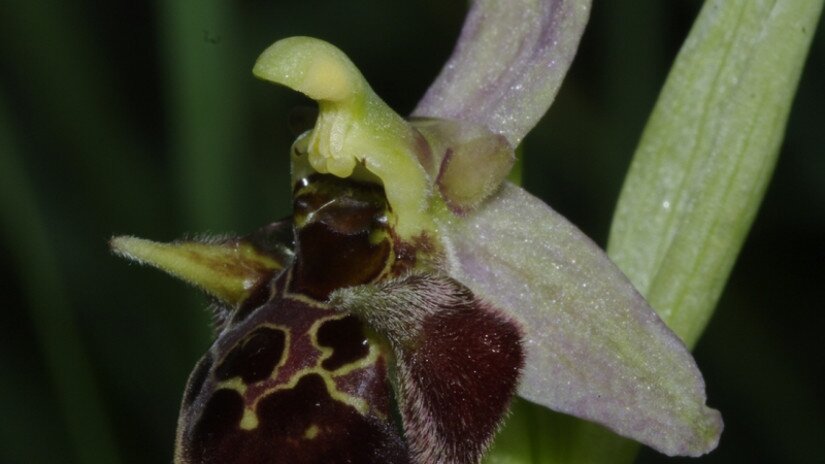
508,64
595,349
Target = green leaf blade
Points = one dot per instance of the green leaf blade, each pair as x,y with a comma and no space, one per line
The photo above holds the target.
680,254
707,154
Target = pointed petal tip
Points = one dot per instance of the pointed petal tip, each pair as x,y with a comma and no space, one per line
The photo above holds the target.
129,247
706,434
692,436
227,269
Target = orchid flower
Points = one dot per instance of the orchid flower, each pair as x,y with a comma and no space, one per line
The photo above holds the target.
415,290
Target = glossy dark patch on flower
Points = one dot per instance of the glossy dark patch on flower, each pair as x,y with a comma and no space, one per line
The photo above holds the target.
457,382
277,240
301,425
217,424
197,379
318,272
255,357
346,338
341,237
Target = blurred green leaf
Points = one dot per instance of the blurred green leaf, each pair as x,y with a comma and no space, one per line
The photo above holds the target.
707,154
202,46
702,166
28,236
695,184
59,65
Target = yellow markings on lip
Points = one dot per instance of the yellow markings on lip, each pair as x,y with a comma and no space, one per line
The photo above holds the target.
249,421
364,362
391,259
311,432
358,404
235,383
326,351
299,297
329,377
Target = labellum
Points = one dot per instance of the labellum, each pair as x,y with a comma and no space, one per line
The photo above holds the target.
300,370
413,291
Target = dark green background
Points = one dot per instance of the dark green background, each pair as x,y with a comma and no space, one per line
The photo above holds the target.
143,118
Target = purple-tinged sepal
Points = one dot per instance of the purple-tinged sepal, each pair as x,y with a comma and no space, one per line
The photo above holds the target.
508,64
594,347
458,361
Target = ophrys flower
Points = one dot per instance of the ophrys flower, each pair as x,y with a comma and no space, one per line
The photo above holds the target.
412,274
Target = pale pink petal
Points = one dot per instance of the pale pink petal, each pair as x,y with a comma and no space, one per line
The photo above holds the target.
508,64
595,349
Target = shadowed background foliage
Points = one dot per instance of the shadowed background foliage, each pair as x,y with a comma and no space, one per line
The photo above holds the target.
143,118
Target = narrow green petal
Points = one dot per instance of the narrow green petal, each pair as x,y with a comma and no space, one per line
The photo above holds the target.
707,154
204,70
227,270
30,239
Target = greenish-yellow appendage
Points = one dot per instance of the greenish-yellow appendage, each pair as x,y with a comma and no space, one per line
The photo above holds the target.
354,127
227,271
468,163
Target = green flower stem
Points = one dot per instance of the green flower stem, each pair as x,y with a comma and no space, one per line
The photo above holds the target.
26,234
203,64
